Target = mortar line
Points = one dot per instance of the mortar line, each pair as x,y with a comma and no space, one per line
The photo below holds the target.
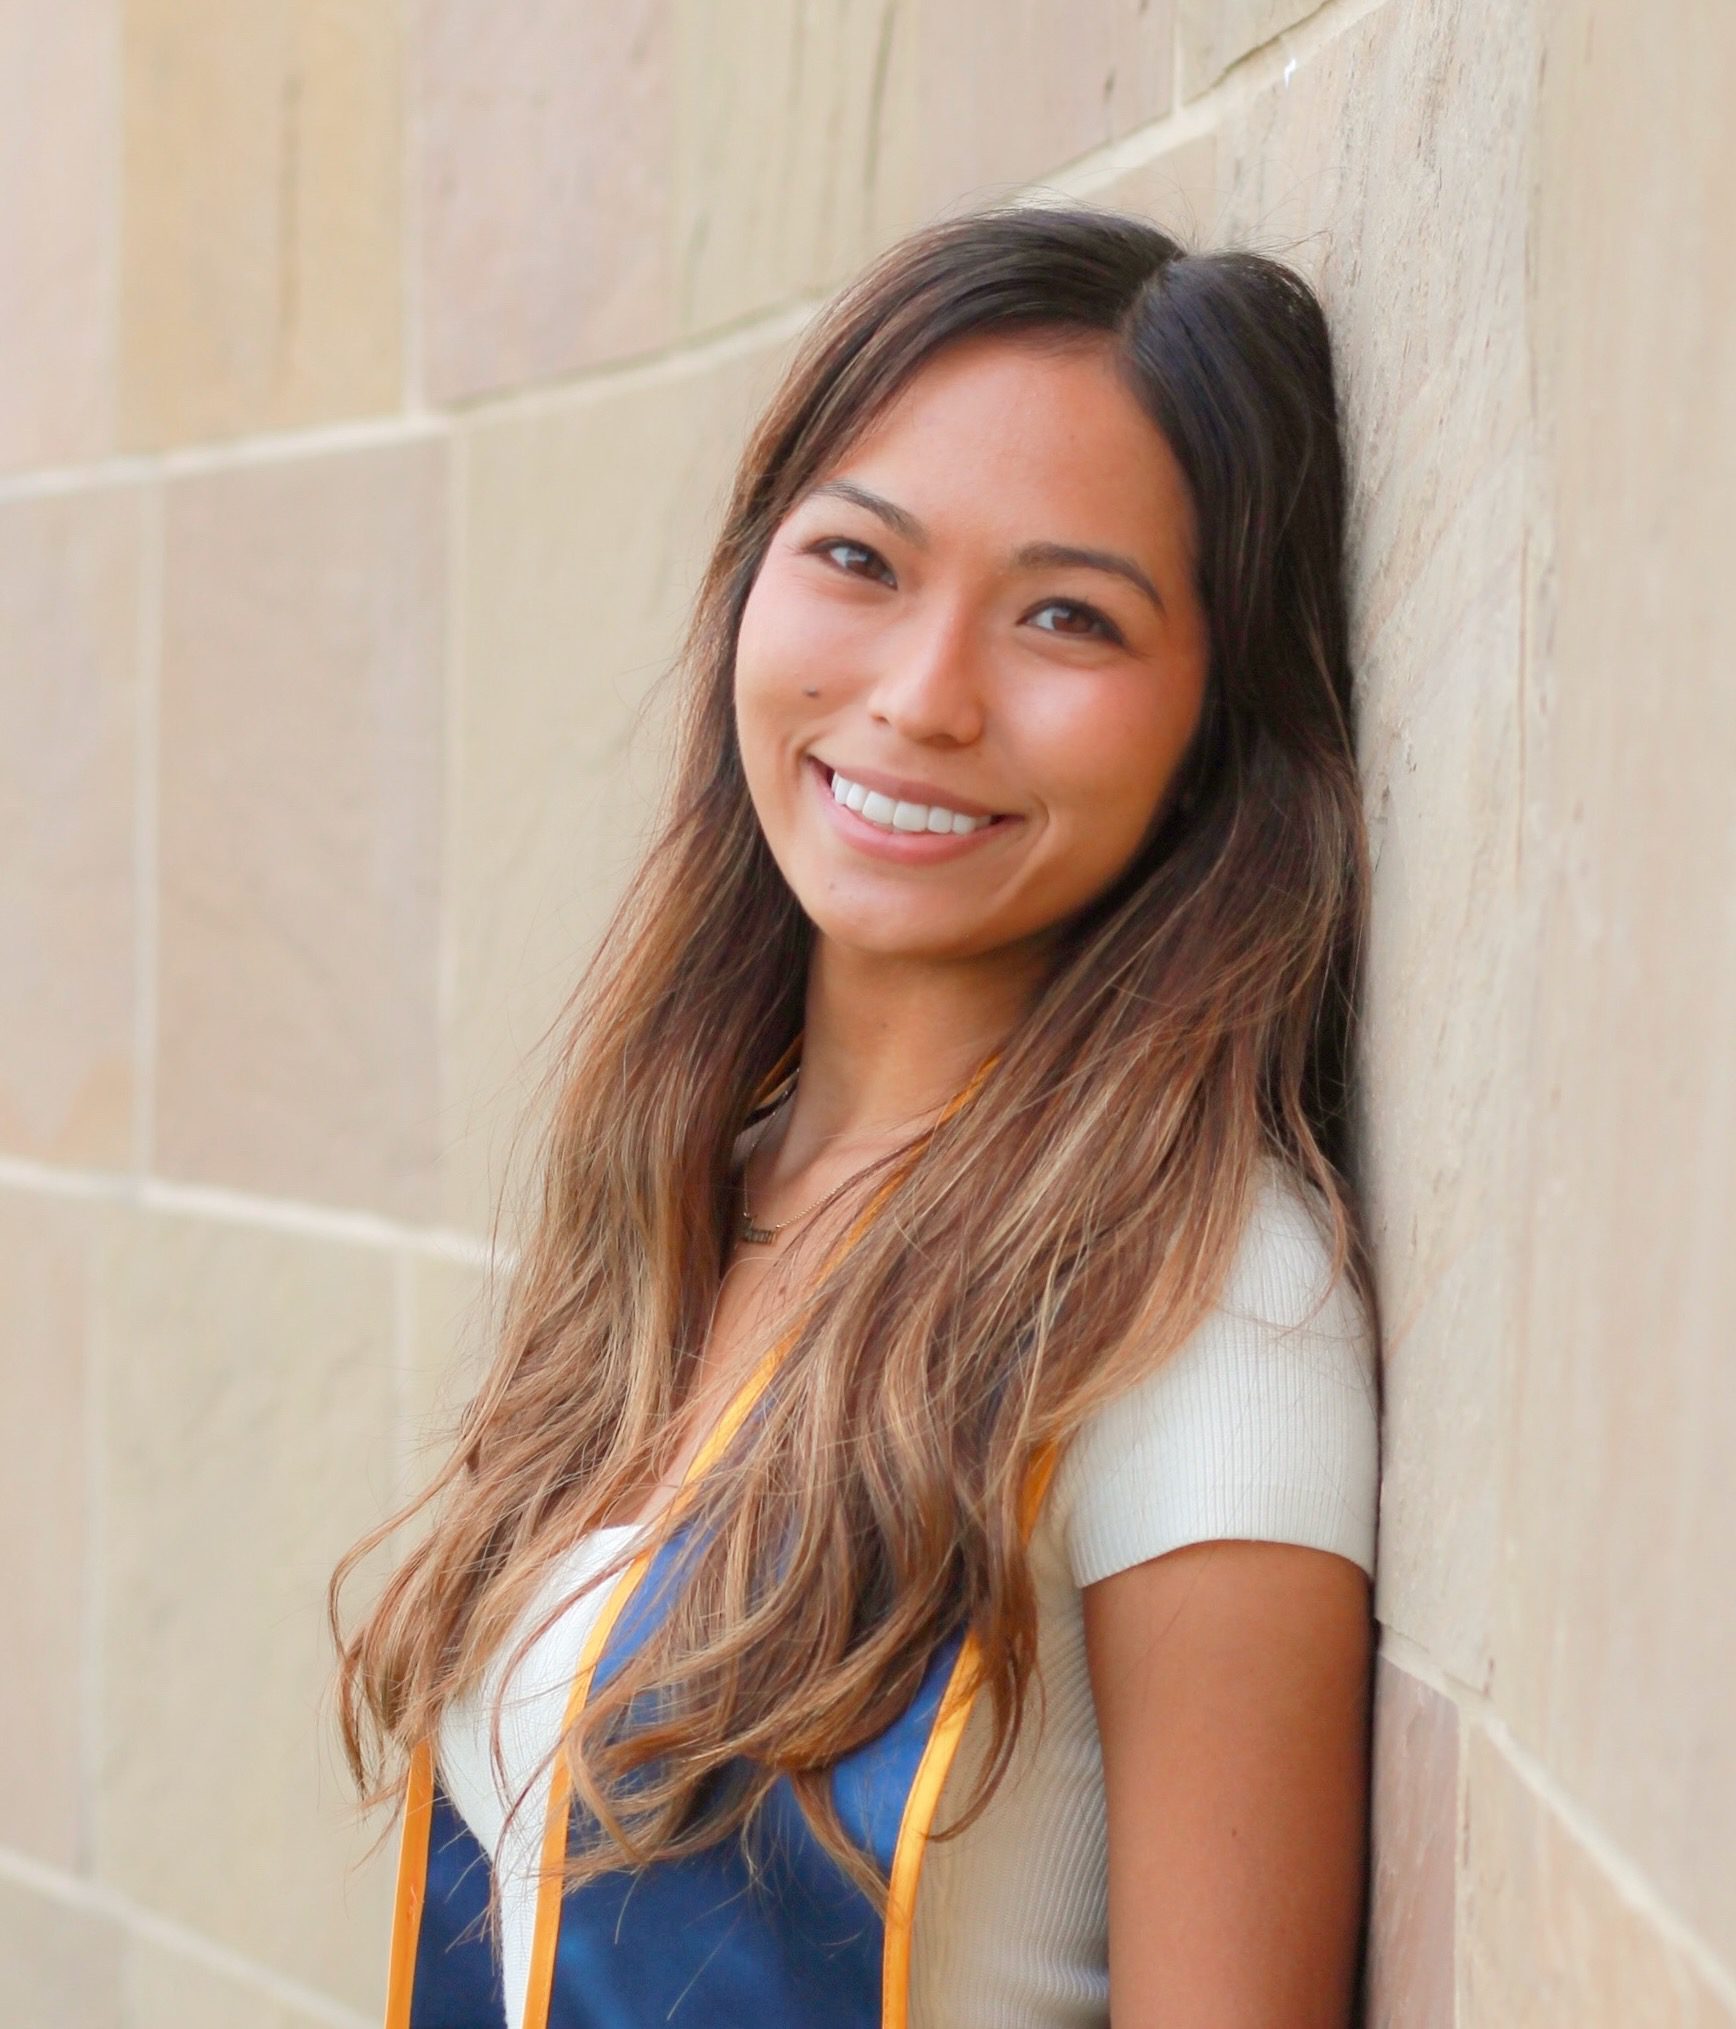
721,346
1204,116
770,323
1461,1877
147,806
403,1337
234,1207
92,1594
1408,1655
1246,79
454,673
96,1899
1478,1711
254,448
1629,1884
411,358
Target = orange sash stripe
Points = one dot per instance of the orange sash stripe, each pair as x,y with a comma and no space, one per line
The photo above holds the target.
924,1798
540,1986
412,1883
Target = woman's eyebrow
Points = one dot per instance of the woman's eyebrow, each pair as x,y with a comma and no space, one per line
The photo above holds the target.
899,519
1053,556
1031,556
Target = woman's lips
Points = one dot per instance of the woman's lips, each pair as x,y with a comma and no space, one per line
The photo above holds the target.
908,848
901,789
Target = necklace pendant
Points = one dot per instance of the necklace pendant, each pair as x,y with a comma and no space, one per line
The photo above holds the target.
757,1236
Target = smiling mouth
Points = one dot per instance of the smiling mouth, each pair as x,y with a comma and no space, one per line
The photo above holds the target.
890,813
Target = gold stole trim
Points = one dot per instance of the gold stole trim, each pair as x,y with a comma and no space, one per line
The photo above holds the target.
930,1779
412,1884
539,1988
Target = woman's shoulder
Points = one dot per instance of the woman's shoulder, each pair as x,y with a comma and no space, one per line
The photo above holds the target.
1264,1423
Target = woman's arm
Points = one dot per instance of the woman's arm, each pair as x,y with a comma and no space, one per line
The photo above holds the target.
1231,1680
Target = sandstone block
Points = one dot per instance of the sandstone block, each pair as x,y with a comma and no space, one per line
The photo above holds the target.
44,1523
1549,1936
60,247
261,280
71,571
59,1961
169,1989
587,528
302,738
1215,34
545,151
1177,190
776,139
1410,1965
449,1341
979,104
1616,1644
1384,168
247,1419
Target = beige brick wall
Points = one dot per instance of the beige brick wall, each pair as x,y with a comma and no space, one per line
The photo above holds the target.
370,374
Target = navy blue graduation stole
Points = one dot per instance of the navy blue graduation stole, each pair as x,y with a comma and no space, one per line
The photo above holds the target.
694,1943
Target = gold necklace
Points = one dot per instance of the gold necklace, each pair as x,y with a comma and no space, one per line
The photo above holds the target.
755,1236
752,1235
746,1231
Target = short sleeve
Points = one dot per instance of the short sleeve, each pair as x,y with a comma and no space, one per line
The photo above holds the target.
1263,1424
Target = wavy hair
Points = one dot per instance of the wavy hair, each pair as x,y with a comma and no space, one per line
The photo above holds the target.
1036,1252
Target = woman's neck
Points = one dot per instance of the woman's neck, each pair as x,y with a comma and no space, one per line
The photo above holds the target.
885,1044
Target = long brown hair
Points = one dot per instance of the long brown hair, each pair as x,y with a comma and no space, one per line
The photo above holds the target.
1043,1247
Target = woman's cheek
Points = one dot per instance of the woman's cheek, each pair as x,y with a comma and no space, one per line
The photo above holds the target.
786,653
1103,770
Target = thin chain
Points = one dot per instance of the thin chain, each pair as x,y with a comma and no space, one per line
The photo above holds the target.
762,1236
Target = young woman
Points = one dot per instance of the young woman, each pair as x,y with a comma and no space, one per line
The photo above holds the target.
932,1440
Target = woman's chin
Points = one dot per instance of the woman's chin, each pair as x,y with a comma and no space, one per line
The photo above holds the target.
898,937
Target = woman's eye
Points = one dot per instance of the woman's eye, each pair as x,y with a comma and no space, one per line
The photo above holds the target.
838,542
1107,629
1097,626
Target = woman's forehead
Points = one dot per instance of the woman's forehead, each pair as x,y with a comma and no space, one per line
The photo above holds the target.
1003,433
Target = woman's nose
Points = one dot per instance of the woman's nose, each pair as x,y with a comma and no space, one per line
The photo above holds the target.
930,686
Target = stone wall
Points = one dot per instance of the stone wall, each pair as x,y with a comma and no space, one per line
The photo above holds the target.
371,375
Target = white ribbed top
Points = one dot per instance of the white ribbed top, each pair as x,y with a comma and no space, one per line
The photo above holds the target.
1259,1426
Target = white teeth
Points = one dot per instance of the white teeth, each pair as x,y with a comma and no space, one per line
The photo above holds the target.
897,816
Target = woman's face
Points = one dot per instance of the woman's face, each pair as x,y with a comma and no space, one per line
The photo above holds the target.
979,630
